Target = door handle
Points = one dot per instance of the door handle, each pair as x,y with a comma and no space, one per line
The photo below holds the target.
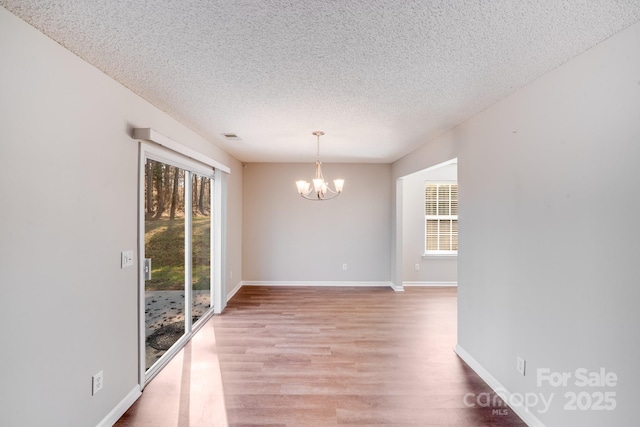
147,269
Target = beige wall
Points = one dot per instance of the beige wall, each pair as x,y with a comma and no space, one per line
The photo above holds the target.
554,280
69,191
287,238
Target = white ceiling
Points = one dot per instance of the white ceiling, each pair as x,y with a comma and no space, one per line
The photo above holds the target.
380,77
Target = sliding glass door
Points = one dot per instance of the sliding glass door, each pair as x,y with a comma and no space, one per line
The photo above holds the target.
201,246
177,269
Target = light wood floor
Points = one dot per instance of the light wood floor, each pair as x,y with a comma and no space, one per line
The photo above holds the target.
285,356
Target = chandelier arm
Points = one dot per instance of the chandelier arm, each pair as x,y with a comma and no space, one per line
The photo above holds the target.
331,197
315,199
331,191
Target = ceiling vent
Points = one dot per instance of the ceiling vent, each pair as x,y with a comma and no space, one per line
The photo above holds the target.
231,137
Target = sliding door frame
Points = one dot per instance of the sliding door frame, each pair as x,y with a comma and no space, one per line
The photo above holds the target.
152,151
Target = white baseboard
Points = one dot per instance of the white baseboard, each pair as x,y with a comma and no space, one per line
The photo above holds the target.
315,283
234,291
397,288
526,415
117,412
433,284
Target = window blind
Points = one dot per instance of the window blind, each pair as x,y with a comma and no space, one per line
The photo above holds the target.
441,218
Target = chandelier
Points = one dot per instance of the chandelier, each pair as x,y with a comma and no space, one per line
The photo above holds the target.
320,189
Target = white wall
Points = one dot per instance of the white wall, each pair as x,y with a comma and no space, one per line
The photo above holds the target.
287,238
68,185
233,254
555,280
434,270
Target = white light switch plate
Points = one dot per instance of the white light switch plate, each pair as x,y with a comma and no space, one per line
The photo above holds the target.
127,259
521,365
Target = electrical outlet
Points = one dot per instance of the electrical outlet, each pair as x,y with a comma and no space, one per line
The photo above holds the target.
521,365
230,274
344,267
97,381
126,259
417,267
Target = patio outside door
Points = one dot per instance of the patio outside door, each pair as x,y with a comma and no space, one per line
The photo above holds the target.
178,261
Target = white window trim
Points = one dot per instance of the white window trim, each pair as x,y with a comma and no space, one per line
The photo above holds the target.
442,254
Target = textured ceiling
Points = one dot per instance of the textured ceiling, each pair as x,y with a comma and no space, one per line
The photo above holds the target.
380,77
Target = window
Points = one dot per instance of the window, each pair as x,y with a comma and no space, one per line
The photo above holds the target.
441,218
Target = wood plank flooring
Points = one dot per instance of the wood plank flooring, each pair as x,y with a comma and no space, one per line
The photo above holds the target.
309,356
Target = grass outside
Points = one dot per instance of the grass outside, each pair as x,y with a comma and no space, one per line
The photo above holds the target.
164,244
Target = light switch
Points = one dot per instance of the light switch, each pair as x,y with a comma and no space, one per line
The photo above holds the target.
127,259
